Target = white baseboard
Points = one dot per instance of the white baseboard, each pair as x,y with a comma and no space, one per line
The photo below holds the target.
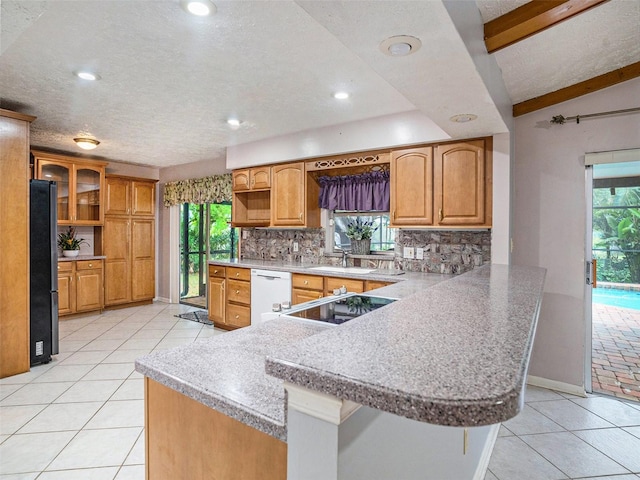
162,299
483,464
577,390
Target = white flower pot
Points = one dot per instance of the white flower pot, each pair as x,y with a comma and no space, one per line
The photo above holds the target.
70,253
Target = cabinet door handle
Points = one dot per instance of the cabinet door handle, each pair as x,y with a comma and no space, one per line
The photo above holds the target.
237,274
440,214
237,317
237,292
306,282
90,265
215,271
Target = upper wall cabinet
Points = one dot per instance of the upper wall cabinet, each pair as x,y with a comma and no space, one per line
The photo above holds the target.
80,187
258,178
463,184
412,187
130,196
447,186
294,197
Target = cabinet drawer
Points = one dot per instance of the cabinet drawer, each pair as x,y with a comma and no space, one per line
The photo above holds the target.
65,266
238,315
236,273
351,284
88,264
308,282
373,284
216,271
238,291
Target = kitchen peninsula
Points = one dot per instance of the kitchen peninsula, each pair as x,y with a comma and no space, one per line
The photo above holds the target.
439,367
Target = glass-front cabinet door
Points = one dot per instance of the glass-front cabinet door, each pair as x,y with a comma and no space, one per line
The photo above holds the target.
60,173
80,187
88,198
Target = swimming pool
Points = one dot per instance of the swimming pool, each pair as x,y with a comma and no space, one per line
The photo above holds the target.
617,298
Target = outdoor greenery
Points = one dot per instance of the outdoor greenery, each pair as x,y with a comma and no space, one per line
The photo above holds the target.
616,234
219,241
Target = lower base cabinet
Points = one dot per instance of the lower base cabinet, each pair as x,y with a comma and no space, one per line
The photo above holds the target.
80,286
229,301
188,440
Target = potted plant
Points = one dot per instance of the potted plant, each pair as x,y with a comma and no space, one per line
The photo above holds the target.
360,233
69,243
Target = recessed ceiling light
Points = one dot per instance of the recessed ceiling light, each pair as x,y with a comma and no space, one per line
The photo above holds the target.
463,118
86,143
341,95
234,122
201,8
400,45
85,75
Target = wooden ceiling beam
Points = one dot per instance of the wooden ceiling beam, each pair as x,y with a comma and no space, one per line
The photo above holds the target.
531,18
573,91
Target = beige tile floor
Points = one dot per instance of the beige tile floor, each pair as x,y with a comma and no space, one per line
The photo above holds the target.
81,416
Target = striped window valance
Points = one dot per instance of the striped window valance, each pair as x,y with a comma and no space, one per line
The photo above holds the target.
213,189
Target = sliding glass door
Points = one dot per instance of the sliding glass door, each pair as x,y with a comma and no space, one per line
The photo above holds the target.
205,233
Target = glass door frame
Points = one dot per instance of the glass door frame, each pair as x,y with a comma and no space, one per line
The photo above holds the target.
588,280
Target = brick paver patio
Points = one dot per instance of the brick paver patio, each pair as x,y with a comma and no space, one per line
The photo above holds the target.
616,351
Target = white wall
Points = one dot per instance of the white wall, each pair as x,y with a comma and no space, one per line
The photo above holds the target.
549,225
405,128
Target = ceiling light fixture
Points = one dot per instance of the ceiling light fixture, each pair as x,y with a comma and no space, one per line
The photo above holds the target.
341,95
234,122
201,8
463,118
86,143
400,45
85,75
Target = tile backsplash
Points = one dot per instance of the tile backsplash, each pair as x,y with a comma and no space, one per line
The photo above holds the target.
444,251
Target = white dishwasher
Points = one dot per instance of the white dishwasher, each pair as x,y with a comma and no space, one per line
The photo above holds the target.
268,287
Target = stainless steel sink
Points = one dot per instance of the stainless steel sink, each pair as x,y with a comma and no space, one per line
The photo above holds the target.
355,270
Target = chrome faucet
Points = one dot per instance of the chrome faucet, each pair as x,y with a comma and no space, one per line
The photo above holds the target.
344,259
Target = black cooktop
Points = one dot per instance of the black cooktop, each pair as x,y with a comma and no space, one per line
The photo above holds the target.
343,309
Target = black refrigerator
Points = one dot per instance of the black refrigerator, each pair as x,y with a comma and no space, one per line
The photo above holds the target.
43,248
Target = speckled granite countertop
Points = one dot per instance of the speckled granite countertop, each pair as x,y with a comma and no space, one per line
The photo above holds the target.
81,257
454,351
381,274
226,372
454,354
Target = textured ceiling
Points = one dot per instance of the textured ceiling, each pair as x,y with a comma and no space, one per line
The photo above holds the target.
170,80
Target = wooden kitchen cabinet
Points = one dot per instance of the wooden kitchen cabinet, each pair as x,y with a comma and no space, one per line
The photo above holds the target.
258,178
175,423
463,183
80,286
305,288
238,307
130,196
216,299
66,289
446,186
129,240
294,197
14,233
229,297
412,187
351,284
80,187
373,284
89,285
